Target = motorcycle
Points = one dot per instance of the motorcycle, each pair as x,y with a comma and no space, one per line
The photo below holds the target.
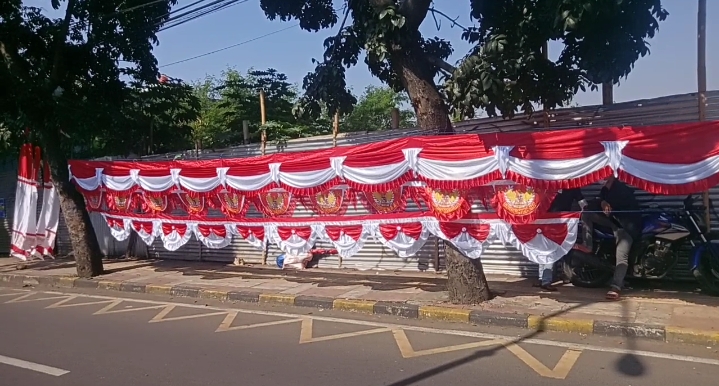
664,235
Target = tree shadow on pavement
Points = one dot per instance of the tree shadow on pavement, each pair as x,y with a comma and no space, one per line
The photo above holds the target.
630,364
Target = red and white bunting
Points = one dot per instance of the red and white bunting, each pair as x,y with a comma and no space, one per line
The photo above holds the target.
669,159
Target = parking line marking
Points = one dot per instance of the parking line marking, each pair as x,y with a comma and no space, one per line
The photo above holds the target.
394,326
162,315
109,308
560,371
61,303
407,351
306,334
226,324
54,371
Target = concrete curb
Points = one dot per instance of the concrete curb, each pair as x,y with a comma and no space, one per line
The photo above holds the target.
669,334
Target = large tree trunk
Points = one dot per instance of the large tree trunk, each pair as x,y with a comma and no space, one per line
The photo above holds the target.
466,283
86,249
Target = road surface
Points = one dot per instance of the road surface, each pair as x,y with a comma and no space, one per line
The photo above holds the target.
80,338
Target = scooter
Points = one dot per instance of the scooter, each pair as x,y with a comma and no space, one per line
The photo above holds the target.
665,235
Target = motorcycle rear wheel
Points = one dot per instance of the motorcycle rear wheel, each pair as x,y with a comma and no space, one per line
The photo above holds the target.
584,275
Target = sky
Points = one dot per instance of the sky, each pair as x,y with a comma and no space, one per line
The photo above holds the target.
670,69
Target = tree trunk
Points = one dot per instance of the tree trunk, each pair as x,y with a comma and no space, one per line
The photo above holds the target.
466,283
416,76
88,258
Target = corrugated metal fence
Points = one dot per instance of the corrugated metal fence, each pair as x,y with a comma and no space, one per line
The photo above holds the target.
498,258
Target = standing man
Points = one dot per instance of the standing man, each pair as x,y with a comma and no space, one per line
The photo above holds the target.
621,214
563,202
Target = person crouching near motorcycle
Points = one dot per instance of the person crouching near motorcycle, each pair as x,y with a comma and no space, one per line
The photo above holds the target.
620,213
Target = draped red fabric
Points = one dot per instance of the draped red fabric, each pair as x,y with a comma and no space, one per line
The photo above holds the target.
477,231
169,228
246,231
218,230
413,230
142,226
115,222
335,232
526,232
287,232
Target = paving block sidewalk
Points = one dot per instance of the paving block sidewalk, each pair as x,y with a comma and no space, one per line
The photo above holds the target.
673,314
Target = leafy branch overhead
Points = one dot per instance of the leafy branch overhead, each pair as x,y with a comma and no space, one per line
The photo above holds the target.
505,71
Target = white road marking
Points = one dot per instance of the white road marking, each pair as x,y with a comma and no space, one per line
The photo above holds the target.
429,330
54,371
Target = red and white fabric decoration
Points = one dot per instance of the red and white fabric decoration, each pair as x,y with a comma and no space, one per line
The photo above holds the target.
669,159
404,239
49,219
23,228
146,230
348,239
120,229
470,239
405,234
214,236
294,240
174,236
255,235
519,204
541,243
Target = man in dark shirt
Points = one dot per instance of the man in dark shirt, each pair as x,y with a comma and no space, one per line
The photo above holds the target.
621,214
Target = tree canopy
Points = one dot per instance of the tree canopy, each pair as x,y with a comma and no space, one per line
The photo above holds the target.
62,80
505,71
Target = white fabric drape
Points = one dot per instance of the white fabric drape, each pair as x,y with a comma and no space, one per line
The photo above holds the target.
539,249
23,228
48,220
347,246
471,241
402,244
213,240
465,242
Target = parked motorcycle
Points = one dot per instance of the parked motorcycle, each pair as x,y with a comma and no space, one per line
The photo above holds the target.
665,234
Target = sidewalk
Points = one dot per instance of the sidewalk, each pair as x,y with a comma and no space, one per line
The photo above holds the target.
671,314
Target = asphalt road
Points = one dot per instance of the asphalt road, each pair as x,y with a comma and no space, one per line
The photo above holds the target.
78,339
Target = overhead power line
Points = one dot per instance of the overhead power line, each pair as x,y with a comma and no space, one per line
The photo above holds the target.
196,13
232,46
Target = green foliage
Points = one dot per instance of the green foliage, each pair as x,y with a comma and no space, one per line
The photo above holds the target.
64,75
373,111
234,98
505,71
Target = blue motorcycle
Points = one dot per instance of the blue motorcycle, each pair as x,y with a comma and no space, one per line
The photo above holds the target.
665,235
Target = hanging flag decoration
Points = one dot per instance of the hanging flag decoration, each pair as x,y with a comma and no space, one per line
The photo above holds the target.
330,202
385,202
519,204
93,199
193,204
154,203
447,204
276,203
121,201
448,172
232,204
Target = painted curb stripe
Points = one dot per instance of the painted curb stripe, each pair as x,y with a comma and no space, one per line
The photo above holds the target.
584,326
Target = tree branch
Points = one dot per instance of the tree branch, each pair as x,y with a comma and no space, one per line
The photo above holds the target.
60,44
454,21
441,64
